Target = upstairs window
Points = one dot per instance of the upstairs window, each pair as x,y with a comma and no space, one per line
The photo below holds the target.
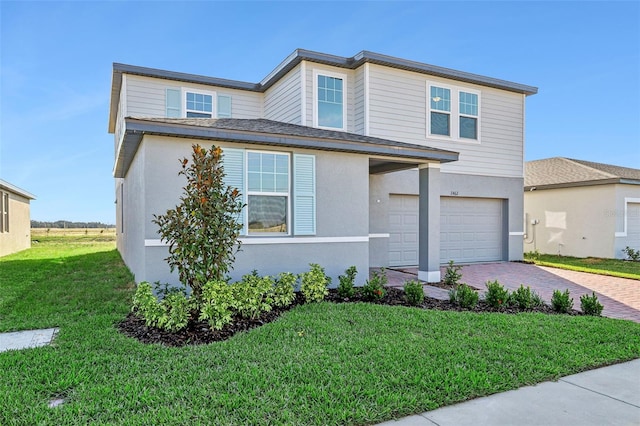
453,113
199,105
268,193
330,92
468,115
440,111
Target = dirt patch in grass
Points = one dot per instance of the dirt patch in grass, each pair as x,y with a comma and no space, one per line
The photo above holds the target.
198,332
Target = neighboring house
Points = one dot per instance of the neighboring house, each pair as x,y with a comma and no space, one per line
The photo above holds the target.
335,157
15,218
579,208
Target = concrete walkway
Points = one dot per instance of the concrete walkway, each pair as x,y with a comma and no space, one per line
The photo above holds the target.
605,396
26,339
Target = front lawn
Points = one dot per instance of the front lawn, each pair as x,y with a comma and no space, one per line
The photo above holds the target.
318,364
612,267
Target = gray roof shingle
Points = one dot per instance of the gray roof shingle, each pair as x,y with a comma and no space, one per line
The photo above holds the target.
558,172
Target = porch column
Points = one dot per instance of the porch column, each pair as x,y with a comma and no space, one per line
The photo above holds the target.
429,223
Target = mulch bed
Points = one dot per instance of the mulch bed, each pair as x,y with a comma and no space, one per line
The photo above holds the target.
198,332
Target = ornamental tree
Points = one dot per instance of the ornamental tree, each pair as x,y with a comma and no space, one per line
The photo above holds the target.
202,230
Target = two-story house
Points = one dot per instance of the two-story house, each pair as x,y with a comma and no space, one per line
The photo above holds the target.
368,161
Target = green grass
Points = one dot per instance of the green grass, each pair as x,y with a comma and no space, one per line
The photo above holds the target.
595,265
318,364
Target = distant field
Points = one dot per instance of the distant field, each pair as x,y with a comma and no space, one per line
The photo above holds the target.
73,235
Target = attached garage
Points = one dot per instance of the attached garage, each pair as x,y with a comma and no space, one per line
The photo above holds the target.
471,229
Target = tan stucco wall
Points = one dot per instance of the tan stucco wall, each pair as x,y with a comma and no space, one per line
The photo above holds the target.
578,221
19,235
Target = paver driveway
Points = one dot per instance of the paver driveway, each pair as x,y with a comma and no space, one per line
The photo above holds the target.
619,296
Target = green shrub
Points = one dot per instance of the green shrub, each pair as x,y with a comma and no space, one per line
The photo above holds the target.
347,281
464,296
532,255
452,275
283,292
413,292
632,254
217,304
561,302
146,304
497,296
590,304
373,289
176,311
536,299
252,295
522,297
314,284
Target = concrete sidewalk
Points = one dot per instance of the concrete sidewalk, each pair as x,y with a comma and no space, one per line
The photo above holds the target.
605,396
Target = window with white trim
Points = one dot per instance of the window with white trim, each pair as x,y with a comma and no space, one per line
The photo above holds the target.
199,104
330,100
453,113
268,192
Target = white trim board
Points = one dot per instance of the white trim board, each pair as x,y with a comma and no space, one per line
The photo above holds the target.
278,240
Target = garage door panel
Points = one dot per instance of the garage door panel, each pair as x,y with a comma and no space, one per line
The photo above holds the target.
471,229
403,230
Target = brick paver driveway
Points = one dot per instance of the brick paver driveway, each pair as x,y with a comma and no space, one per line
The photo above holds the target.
619,296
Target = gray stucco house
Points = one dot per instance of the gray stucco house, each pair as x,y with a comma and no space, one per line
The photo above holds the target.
581,208
369,161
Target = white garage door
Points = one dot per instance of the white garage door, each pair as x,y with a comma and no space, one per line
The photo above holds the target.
471,229
633,226
403,230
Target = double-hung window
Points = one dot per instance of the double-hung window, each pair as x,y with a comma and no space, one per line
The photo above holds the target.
440,111
268,192
453,113
199,105
330,91
181,103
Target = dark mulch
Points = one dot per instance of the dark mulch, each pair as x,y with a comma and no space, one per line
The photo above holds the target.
198,332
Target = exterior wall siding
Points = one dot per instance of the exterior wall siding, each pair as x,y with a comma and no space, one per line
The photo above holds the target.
572,221
359,117
19,236
398,111
621,216
282,100
339,214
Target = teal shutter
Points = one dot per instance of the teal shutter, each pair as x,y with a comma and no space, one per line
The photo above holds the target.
233,162
173,103
304,194
224,106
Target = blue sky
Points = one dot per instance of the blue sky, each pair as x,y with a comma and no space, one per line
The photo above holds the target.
56,62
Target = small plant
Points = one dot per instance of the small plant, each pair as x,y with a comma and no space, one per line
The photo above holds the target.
283,293
463,296
146,304
314,284
633,255
561,302
536,299
522,297
590,304
452,275
176,310
252,295
373,289
532,256
497,296
217,302
345,288
413,292
163,290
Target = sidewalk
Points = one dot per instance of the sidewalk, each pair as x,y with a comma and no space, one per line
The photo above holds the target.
605,396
